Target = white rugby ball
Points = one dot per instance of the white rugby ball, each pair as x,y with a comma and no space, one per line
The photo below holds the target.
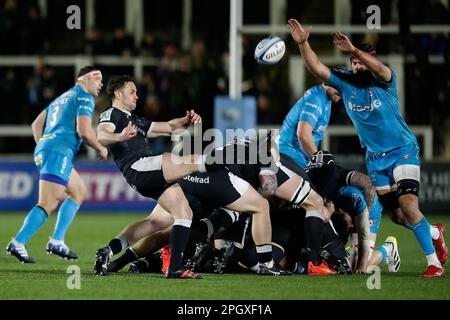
270,50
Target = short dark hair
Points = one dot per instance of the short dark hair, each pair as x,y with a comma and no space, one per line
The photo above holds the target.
116,83
86,70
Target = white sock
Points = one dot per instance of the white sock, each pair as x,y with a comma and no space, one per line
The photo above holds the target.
54,241
434,232
17,243
388,248
432,259
371,247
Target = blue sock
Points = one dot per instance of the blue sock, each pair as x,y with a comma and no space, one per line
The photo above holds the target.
423,236
409,226
66,213
383,252
32,223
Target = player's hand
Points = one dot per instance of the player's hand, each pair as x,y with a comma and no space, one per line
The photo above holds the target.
128,132
343,43
102,154
194,117
297,32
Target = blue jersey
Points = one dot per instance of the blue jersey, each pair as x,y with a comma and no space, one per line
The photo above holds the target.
315,108
60,133
373,109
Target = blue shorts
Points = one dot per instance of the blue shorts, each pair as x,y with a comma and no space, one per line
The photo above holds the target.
381,165
53,167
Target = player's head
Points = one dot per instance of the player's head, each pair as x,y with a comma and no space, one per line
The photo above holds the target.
90,78
332,94
122,91
321,159
357,66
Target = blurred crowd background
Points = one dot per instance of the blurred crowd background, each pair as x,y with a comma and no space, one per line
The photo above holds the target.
194,76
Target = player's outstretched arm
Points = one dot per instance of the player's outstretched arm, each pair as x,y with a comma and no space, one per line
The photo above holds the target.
106,135
374,65
167,128
312,62
38,125
84,128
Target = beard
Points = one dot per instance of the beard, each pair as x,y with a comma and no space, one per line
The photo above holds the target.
363,77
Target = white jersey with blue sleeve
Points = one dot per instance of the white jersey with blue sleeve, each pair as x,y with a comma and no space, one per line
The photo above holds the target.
315,108
373,109
60,131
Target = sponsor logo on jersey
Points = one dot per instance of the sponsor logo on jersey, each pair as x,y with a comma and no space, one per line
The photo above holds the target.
374,105
105,116
196,179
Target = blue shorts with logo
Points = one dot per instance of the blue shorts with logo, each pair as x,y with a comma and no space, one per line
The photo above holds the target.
53,167
381,165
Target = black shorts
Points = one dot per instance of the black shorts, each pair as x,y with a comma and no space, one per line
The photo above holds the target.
214,189
146,177
293,166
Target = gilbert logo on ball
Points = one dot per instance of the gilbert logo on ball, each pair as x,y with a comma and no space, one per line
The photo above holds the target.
270,50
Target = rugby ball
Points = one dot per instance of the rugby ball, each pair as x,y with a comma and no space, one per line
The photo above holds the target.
270,50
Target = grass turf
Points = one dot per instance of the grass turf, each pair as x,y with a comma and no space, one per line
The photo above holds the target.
48,277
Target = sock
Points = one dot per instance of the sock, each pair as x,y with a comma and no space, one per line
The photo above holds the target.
423,236
277,254
433,260
408,226
434,232
66,214
383,251
313,233
371,247
264,252
178,239
32,223
118,244
129,256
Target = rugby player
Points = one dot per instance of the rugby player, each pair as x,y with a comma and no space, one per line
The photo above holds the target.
370,98
59,130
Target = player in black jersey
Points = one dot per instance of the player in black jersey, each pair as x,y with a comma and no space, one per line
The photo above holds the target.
152,175
328,179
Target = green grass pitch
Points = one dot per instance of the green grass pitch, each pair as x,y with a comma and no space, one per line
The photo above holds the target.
47,279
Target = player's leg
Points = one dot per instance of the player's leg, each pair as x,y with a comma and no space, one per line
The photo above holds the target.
407,177
175,167
49,195
174,201
76,191
253,203
156,221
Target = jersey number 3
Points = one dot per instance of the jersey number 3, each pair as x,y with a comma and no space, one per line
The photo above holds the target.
54,115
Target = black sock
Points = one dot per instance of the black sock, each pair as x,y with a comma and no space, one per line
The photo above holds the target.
277,254
178,238
126,258
115,245
248,258
264,252
313,234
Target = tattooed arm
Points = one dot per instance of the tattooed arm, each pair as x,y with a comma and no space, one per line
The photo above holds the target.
363,182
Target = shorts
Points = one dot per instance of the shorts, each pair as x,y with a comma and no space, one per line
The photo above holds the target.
216,189
146,177
381,166
53,167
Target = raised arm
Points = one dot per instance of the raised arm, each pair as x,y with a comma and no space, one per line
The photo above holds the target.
311,59
38,125
372,64
165,128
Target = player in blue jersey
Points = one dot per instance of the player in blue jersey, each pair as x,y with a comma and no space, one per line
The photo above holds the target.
304,126
370,98
59,130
